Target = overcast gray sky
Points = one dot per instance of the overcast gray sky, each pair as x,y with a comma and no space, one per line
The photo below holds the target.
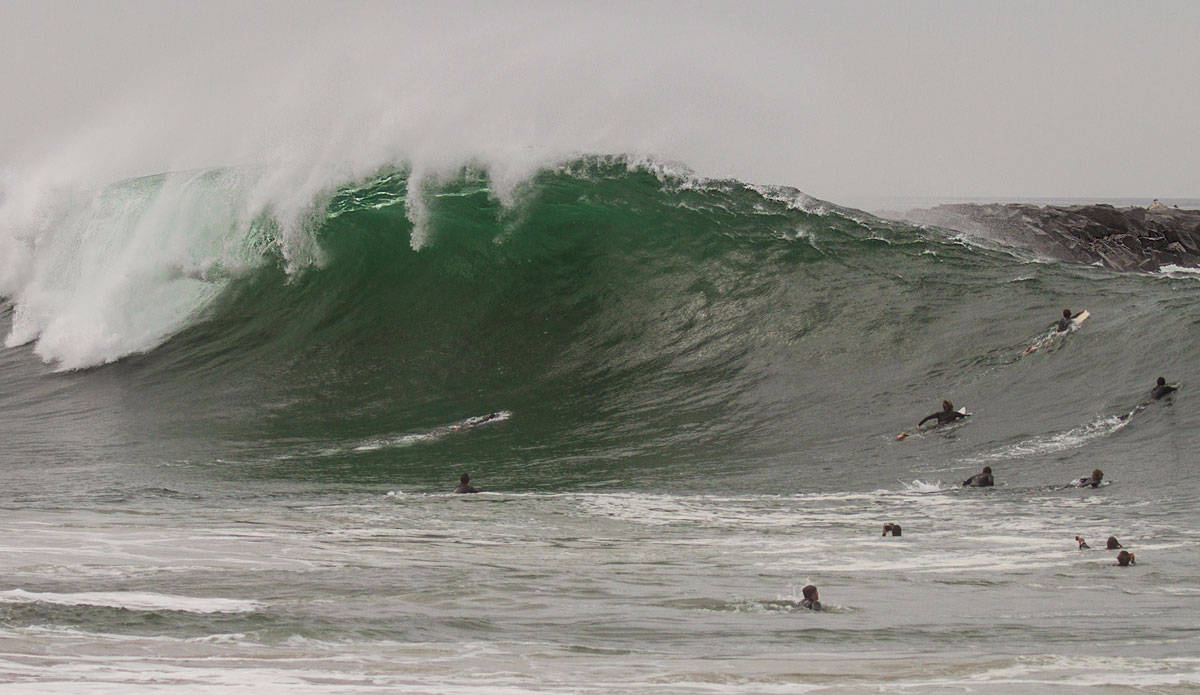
844,100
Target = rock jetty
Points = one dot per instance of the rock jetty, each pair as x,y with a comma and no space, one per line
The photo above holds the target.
1132,238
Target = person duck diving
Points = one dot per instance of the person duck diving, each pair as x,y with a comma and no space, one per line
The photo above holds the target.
943,416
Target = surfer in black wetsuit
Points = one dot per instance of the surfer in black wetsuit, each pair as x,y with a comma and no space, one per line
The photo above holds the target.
1161,389
810,598
474,421
1064,324
982,479
1082,543
464,485
894,529
946,414
1113,543
1093,481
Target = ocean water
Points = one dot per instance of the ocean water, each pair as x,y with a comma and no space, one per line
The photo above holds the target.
229,439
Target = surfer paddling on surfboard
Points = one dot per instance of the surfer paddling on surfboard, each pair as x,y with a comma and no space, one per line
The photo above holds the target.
944,416
1066,324
1161,388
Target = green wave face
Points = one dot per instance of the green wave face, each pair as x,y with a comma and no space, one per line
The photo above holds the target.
607,308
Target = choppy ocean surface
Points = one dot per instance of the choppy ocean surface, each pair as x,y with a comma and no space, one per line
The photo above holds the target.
228,443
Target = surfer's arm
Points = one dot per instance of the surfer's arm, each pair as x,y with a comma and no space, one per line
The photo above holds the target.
927,419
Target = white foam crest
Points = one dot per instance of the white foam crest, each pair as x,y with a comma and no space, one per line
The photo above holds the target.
667,172
1172,270
794,199
94,278
98,276
134,600
1070,672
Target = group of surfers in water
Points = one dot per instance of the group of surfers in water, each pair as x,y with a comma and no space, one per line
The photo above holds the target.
948,414
984,478
1124,558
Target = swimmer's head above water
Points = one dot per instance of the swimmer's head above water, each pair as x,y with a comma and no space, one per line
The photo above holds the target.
811,600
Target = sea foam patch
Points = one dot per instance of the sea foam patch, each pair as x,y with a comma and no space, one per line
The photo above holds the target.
134,600
410,438
1060,441
1172,270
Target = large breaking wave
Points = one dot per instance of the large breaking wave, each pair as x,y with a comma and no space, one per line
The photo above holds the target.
612,309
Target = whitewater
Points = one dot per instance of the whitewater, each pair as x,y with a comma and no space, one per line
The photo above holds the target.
232,421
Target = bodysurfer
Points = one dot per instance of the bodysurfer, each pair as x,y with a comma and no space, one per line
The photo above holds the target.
464,485
1125,558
